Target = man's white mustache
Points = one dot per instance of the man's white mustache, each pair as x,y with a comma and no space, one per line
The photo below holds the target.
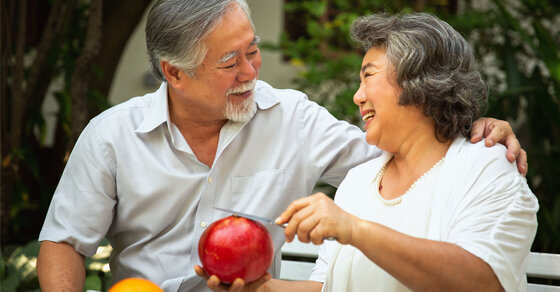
243,87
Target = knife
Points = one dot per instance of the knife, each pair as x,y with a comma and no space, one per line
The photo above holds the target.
261,219
252,217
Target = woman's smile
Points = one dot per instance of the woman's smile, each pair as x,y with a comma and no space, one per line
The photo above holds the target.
367,116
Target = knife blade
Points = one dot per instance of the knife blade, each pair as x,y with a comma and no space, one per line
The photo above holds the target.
252,217
261,219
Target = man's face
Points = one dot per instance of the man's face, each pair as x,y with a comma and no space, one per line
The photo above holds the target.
222,87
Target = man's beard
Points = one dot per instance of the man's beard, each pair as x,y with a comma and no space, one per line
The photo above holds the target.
241,111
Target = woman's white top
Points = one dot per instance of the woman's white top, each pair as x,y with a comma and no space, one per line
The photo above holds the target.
411,216
475,199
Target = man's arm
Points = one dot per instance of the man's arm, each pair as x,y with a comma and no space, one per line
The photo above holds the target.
60,267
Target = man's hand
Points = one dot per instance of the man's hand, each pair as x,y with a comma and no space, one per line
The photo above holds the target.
213,282
500,131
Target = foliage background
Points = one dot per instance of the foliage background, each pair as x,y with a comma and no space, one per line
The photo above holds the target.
516,42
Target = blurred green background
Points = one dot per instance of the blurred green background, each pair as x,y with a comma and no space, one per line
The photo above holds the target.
78,43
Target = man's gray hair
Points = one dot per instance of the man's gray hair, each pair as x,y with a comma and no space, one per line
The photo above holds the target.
175,31
434,66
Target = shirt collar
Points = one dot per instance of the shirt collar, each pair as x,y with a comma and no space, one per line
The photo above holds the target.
158,111
263,97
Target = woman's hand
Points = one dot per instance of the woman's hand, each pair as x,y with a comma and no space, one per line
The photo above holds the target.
500,131
213,282
315,218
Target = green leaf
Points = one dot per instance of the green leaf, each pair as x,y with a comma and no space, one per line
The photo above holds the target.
315,8
93,282
10,283
548,49
23,260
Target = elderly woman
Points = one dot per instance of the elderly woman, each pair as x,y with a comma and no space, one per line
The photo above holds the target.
434,212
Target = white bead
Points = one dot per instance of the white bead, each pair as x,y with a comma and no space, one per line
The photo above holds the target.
398,200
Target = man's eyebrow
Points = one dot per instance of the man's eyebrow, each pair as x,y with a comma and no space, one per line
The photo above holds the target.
256,40
229,55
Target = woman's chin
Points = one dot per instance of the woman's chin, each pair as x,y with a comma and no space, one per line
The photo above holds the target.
371,141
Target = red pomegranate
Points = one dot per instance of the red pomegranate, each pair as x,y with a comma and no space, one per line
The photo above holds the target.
236,247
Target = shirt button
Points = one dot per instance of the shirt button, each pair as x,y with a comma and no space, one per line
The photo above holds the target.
210,179
203,224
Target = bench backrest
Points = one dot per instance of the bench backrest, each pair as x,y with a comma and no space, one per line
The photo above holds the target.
545,266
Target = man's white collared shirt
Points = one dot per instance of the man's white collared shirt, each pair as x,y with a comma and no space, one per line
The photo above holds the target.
133,179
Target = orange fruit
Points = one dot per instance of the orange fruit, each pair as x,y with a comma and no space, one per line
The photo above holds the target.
135,285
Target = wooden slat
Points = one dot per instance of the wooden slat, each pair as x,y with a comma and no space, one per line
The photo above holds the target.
542,288
544,265
300,249
293,270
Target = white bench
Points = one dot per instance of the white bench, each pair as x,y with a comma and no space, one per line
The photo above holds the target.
544,266
299,258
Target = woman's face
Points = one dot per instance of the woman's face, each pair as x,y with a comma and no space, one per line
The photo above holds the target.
378,98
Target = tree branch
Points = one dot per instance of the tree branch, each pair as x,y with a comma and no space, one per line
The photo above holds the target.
80,77
6,39
115,36
53,27
18,101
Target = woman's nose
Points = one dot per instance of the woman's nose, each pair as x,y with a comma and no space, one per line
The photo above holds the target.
359,96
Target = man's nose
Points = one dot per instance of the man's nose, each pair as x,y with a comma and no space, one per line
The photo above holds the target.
247,71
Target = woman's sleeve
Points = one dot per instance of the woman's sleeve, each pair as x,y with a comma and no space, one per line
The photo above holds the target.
319,272
494,217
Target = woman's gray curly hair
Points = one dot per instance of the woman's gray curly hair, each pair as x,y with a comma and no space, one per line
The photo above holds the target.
434,66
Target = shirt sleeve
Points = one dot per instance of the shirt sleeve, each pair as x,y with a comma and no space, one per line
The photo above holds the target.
319,272
333,146
493,215
81,209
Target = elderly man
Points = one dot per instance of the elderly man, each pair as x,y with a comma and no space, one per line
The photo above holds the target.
147,173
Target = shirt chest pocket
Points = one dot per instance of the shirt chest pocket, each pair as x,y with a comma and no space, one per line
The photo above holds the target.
259,181
260,189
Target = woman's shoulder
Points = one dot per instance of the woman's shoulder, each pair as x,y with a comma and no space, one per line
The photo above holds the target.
478,155
482,170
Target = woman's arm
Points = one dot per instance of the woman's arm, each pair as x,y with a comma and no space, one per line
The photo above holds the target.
420,264
423,264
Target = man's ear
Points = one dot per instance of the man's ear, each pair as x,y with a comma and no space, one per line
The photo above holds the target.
172,73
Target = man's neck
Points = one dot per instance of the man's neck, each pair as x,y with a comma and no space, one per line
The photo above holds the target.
203,139
200,131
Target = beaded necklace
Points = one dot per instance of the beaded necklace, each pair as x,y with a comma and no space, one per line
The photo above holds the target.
398,200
